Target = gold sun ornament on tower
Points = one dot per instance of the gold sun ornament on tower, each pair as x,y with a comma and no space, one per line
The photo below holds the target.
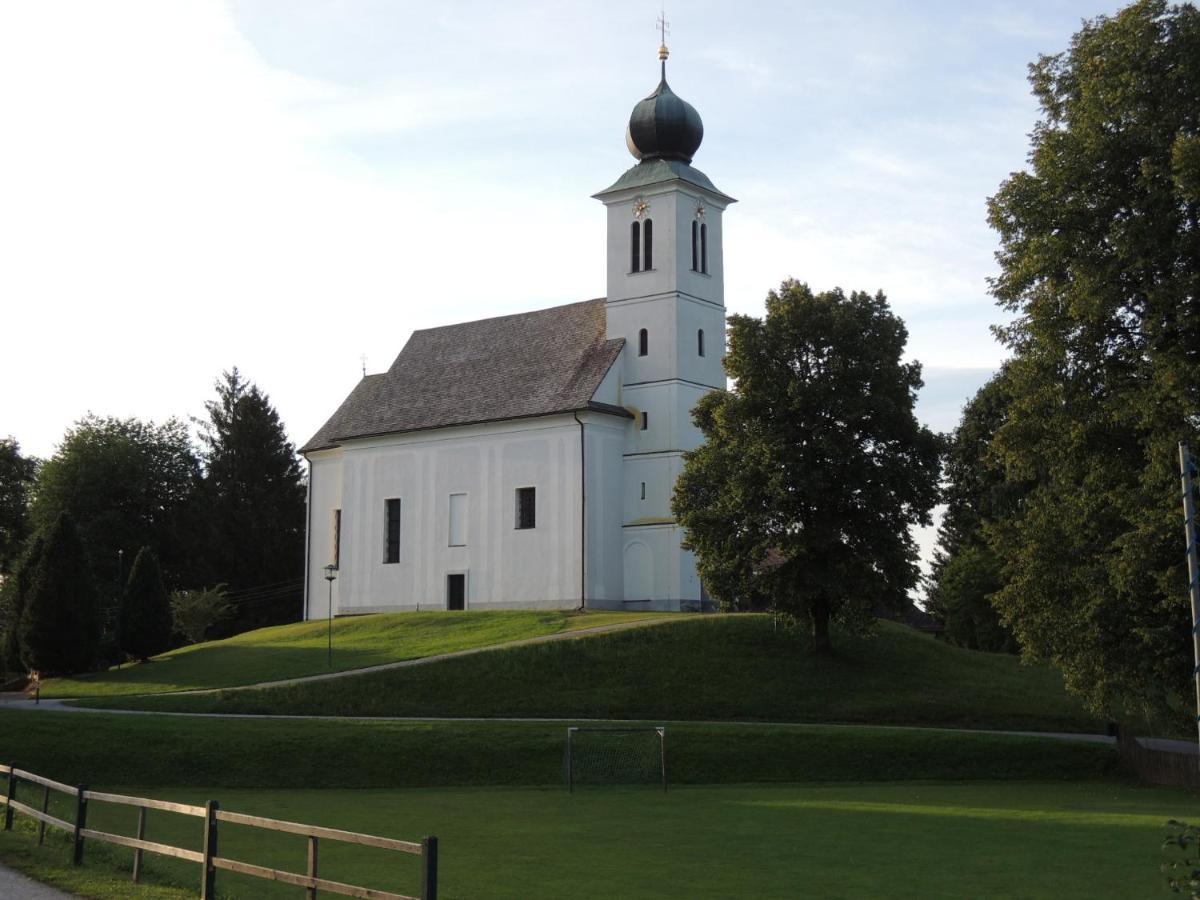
640,207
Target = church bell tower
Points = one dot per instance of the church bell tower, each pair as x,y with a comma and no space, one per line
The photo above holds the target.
666,299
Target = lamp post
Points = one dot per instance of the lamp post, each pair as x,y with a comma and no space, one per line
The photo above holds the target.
330,574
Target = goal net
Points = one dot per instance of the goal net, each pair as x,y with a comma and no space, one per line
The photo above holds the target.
610,756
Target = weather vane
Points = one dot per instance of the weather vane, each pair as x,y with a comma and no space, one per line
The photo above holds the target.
664,28
363,358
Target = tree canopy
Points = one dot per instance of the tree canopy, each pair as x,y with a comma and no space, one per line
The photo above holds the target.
966,572
126,484
814,466
254,501
1100,264
17,475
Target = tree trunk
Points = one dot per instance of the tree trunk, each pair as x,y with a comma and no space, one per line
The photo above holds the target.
820,628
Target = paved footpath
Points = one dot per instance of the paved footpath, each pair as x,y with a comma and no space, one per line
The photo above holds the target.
16,886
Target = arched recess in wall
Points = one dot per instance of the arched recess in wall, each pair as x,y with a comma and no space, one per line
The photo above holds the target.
639,571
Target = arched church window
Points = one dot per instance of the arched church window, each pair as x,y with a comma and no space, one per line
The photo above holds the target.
648,255
635,246
704,248
695,246
700,342
643,342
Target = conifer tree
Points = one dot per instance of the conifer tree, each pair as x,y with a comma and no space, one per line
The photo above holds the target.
59,629
13,595
144,628
254,503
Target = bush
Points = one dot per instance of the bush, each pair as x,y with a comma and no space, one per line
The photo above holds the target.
198,612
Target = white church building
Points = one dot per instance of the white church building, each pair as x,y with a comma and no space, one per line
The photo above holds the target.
528,461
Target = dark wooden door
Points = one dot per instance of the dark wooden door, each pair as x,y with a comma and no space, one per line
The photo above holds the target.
456,591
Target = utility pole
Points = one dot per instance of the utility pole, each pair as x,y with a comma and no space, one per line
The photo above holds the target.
1187,469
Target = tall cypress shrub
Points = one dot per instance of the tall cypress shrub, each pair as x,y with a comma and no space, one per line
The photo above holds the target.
59,630
13,596
144,628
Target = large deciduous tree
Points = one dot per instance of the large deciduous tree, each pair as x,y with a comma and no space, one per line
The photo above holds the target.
126,484
59,628
254,502
17,475
1100,263
145,624
814,467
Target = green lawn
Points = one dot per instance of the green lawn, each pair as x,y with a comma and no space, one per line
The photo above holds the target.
290,651
718,667
915,840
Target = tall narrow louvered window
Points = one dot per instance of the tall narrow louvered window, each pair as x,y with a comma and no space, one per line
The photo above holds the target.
700,342
635,246
391,530
643,342
648,256
704,249
695,246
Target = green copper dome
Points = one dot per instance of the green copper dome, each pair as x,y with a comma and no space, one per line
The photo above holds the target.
664,126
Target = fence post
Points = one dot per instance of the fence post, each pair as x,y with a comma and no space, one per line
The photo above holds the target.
80,822
141,836
45,809
11,796
312,866
429,868
208,877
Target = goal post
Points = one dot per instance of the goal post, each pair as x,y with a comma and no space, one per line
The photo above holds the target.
598,755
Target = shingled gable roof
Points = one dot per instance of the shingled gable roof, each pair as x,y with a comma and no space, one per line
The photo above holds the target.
528,364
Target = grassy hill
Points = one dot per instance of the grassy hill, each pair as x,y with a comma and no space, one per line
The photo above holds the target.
292,651
715,667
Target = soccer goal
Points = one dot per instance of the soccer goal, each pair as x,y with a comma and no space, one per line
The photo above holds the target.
602,756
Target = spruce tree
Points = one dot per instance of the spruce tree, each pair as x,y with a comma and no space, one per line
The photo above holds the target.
59,630
144,627
254,504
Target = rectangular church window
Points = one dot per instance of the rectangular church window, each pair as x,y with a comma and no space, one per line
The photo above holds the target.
335,544
458,520
391,552
526,507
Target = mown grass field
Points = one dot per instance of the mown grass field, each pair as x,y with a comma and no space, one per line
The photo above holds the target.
719,667
914,840
292,651
108,748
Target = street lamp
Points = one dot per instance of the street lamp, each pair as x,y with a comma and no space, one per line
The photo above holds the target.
330,574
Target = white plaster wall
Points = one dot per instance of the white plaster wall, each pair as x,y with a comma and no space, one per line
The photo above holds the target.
506,567
662,569
605,509
325,478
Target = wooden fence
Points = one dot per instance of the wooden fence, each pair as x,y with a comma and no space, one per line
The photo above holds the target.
208,859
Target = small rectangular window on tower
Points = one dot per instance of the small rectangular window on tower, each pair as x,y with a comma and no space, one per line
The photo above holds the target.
391,530
643,490
526,508
645,421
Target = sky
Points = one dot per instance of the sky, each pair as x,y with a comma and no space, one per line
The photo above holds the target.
291,187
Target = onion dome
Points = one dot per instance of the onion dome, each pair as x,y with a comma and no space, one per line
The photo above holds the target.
664,126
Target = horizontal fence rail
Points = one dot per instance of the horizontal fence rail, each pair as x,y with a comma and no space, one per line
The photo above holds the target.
208,859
